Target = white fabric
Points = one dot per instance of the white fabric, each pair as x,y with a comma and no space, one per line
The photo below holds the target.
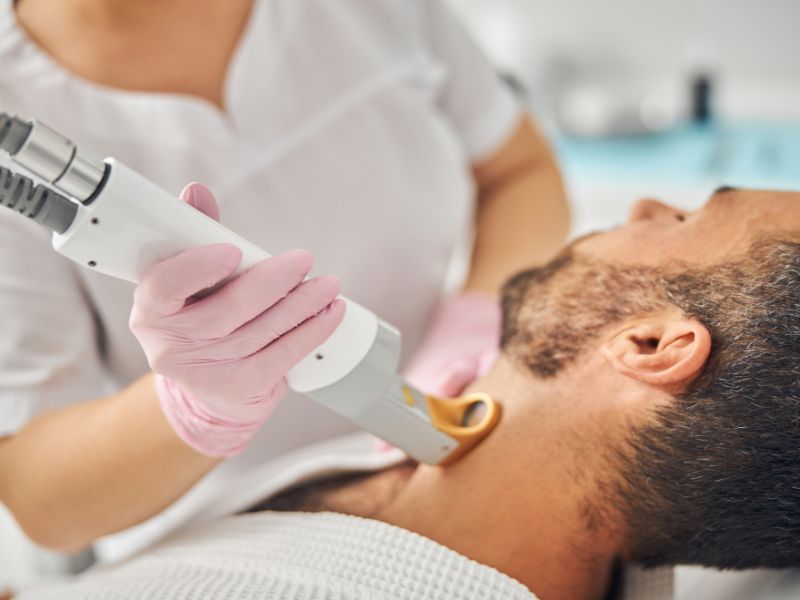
350,130
760,584
293,556
647,584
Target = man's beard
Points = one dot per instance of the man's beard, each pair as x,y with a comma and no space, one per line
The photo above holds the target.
551,313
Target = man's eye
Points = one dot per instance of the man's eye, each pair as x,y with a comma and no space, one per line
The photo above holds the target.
680,218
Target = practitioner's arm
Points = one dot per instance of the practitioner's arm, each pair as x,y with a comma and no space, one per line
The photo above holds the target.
523,215
522,220
84,471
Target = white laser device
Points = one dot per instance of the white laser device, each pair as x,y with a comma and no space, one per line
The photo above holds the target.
111,219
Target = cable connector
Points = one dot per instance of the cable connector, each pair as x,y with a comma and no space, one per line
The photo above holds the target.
51,156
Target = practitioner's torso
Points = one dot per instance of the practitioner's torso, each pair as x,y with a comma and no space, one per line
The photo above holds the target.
331,140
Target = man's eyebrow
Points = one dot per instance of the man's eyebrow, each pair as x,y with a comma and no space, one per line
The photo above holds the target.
724,189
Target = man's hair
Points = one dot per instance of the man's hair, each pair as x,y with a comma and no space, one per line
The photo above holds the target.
714,478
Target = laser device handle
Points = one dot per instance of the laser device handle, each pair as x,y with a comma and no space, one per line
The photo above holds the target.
133,223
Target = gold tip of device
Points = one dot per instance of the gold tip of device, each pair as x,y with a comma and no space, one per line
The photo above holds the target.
468,419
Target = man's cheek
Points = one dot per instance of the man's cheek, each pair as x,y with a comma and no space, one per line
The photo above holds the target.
649,247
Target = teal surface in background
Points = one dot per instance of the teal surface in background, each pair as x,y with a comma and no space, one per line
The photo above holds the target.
747,154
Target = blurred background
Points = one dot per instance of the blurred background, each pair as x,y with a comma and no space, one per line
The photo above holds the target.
641,98
645,97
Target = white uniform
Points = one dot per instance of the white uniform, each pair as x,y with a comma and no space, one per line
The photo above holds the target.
349,130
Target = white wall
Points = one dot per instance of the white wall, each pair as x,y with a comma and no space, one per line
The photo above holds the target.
754,44
748,37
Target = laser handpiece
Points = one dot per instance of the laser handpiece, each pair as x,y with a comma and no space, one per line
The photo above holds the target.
113,220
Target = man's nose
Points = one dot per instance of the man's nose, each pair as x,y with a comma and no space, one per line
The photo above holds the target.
648,209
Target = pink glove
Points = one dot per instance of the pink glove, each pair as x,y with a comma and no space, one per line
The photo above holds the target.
461,345
221,360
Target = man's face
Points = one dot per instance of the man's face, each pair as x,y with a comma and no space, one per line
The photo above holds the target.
551,313
656,233
711,476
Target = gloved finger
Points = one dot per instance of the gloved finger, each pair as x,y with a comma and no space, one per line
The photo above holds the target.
486,360
456,377
276,359
200,197
305,301
247,296
165,286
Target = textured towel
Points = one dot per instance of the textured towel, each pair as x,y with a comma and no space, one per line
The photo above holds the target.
293,556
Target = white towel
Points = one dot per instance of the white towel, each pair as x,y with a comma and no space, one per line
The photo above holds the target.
293,556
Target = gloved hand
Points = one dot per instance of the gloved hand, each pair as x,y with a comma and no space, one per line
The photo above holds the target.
221,360
461,345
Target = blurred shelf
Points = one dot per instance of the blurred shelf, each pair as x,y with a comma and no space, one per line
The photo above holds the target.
747,154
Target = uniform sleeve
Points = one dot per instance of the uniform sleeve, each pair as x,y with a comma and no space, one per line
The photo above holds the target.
48,350
482,108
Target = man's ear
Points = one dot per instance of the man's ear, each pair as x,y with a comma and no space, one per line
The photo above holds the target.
665,351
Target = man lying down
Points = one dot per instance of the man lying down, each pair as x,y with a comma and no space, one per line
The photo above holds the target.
650,384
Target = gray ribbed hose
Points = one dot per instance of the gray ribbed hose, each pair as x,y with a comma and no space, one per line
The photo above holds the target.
36,202
21,194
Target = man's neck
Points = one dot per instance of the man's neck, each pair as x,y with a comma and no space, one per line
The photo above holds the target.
516,502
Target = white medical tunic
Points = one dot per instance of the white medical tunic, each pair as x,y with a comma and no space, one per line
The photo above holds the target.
349,129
